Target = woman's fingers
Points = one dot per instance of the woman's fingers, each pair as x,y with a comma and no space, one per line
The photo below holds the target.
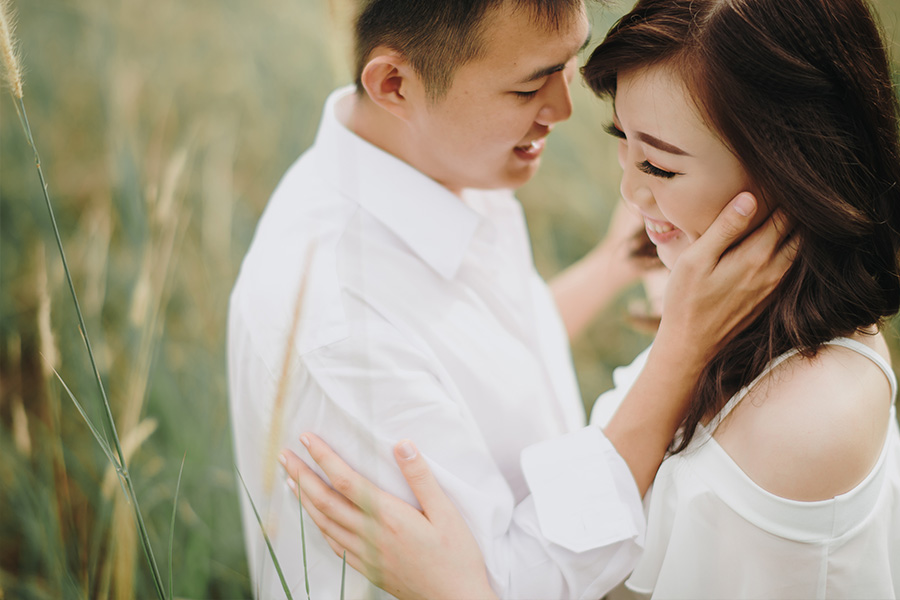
344,525
343,479
333,530
434,502
722,281
316,494
732,223
353,560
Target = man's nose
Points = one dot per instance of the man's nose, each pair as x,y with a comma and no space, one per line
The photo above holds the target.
558,101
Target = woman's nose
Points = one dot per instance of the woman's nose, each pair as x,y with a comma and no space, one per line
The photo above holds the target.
633,186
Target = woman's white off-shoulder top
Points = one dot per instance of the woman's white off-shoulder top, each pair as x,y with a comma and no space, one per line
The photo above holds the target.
713,533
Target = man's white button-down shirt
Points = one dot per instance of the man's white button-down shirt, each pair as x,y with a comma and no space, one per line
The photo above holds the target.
421,316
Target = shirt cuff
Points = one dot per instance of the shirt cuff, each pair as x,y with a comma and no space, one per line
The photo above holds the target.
584,494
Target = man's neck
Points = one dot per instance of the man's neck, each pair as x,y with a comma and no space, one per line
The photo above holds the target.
378,127
373,124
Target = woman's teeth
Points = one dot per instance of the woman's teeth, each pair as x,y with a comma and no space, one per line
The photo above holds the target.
658,227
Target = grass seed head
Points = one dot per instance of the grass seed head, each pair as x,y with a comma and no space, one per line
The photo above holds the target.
8,49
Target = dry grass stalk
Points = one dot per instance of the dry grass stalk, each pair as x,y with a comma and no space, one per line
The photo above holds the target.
47,340
21,435
340,22
274,440
120,562
148,304
124,551
151,292
8,49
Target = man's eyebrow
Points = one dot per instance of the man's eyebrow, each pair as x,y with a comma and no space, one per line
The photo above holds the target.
587,40
546,71
661,145
543,72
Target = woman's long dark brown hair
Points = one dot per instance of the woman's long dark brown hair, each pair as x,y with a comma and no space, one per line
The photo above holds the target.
801,92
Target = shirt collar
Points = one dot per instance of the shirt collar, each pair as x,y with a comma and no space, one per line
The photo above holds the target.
433,222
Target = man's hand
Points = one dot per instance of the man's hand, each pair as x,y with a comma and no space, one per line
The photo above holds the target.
588,286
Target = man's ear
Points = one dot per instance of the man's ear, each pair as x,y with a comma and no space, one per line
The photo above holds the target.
390,82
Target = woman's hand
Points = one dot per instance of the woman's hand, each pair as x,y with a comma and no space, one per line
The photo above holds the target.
409,553
722,282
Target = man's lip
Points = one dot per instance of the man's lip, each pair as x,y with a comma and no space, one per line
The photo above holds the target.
532,149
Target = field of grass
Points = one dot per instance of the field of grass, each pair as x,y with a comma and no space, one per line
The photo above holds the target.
163,127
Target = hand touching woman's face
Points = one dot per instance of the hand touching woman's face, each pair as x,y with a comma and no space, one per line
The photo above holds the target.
676,171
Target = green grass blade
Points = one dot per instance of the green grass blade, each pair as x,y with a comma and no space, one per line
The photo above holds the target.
109,422
303,546
287,590
343,574
100,440
172,527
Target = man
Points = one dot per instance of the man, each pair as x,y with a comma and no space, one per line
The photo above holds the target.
396,241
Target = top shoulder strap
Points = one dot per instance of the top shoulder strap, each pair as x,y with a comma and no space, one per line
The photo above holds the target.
854,345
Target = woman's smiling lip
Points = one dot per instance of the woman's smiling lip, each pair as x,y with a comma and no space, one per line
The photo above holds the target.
660,232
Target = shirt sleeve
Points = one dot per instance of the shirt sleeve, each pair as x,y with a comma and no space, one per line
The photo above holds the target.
584,512
578,535
364,393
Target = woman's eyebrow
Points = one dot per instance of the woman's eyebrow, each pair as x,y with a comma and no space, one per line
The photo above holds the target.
652,140
660,145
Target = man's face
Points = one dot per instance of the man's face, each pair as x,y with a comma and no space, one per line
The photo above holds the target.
489,130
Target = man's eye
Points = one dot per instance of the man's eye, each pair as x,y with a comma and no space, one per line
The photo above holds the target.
649,169
526,95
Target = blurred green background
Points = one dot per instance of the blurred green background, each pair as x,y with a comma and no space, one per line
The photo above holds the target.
163,128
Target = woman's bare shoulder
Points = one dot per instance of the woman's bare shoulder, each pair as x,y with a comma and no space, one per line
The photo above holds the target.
813,428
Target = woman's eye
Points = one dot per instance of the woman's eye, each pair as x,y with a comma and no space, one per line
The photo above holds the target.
614,131
649,169
526,95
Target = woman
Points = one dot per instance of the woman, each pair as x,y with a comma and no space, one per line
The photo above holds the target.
785,480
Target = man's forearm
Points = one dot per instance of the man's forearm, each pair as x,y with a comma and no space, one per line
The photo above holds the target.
588,286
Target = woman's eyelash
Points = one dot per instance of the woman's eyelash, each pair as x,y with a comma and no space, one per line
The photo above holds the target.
526,95
644,166
649,169
614,131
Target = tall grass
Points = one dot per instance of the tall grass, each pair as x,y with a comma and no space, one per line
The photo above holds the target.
163,129
118,463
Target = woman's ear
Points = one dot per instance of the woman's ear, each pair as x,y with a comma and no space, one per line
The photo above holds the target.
390,82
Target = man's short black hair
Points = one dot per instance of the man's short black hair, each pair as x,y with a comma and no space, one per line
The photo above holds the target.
438,36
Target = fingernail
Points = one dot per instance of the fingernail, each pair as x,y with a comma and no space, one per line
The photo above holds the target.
304,440
407,450
292,484
282,459
744,205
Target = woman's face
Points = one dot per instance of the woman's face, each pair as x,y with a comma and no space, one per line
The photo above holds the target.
676,171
